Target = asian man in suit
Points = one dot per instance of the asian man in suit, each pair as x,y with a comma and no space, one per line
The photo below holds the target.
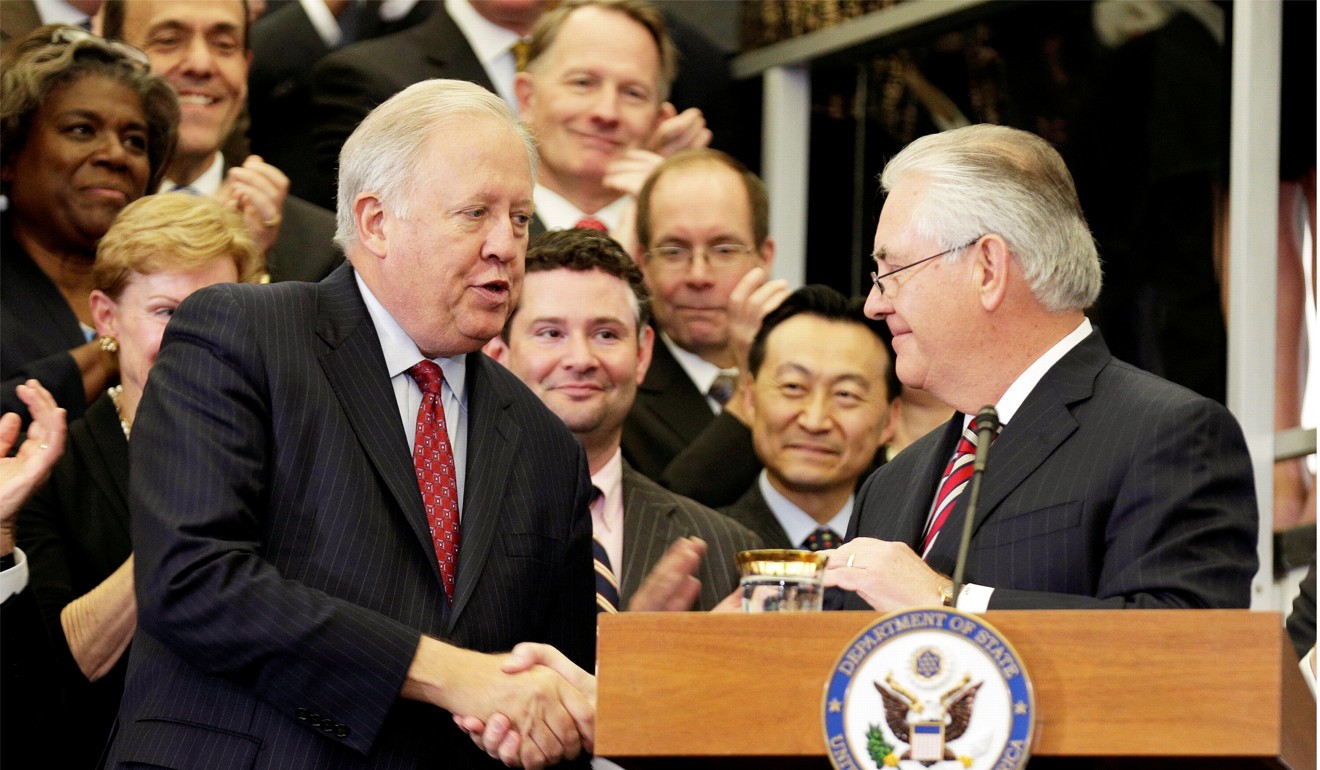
580,341
343,511
1107,487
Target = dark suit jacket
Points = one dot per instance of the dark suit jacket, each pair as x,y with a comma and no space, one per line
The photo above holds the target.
752,511
653,517
1301,621
349,83
1110,487
285,571
285,45
37,331
717,466
305,249
75,532
666,416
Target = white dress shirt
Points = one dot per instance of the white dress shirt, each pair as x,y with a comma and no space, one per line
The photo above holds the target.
492,44
207,184
401,354
702,372
557,213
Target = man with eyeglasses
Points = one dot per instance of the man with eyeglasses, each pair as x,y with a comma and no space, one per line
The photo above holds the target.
702,219
1107,487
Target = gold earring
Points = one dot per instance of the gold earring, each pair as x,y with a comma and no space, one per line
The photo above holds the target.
109,344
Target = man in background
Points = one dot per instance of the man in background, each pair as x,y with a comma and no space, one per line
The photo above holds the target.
819,406
580,341
201,48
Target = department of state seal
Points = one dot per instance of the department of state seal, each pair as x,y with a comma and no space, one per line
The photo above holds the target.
929,688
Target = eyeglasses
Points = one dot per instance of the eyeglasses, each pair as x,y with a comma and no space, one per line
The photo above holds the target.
75,36
720,257
877,279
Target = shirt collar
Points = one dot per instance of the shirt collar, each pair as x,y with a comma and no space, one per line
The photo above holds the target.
609,480
796,522
489,40
699,370
59,12
1026,382
558,213
207,184
400,352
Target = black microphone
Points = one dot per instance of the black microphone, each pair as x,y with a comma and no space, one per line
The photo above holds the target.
986,425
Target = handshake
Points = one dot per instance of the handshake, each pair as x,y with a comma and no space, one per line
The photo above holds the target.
531,707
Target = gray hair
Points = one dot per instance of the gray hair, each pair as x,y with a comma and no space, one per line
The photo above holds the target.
987,179
381,156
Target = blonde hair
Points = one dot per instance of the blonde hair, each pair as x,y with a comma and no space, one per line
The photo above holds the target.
173,231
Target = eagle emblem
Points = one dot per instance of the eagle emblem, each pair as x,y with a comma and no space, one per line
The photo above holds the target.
926,725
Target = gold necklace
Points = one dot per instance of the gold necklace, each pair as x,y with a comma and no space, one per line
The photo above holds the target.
115,392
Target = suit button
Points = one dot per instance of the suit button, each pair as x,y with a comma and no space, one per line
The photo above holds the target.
327,725
341,730
301,714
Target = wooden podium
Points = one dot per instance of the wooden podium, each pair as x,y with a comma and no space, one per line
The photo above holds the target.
1114,688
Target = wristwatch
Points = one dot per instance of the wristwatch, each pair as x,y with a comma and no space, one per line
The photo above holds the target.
946,596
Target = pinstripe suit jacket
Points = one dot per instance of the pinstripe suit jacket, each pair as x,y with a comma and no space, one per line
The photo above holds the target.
1110,487
285,571
653,517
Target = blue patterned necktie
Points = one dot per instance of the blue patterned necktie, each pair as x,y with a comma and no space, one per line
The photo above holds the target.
607,586
822,539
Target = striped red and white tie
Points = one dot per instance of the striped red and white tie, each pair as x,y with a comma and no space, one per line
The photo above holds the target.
956,476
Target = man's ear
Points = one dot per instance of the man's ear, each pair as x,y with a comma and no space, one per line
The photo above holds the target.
768,254
645,347
524,89
497,349
370,218
992,263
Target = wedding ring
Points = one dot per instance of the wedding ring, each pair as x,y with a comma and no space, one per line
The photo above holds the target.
45,446
851,557
273,221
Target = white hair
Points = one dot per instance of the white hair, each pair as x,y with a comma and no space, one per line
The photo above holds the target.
986,179
381,156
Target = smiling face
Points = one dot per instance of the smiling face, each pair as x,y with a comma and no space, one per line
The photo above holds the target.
591,96
199,48
85,158
699,207
138,318
574,342
450,272
819,405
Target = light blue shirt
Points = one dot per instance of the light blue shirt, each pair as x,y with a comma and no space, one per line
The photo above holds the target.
797,523
401,354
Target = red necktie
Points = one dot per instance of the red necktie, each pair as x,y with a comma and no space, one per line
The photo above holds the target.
591,223
956,476
433,459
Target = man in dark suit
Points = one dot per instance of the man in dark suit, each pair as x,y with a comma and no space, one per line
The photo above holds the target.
703,219
474,42
307,594
1107,486
286,42
819,407
579,340
201,48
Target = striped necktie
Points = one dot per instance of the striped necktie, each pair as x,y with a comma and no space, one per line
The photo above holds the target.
607,586
956,476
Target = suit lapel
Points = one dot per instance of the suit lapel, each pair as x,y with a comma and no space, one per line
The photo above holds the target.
672,398
355,368
492,440
1042,423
